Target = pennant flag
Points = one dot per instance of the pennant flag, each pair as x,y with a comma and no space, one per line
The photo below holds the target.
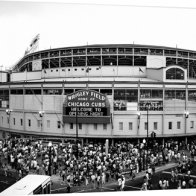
140,70
87,69
34,41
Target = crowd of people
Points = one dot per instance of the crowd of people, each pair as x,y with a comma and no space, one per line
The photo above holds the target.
90,164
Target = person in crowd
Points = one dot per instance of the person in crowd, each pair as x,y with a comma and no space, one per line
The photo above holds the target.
119,183
123,183
68,186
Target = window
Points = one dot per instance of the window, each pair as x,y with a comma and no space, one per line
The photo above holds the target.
124,96
52,91
145,125
151,93
29,122
14,121
178,125
155,125
170,125
17,91
192,124
104,126
21,121
125,60
140,60
80,125
95,126
33,91
58,124
106,91
39,123
130,126
121,126
54,62
68,91
175,94
109,60
192,95
175,74
71,125
48,123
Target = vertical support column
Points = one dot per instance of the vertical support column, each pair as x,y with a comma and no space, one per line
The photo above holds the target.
42,109
9,116
112,143
163,114
106,147
176,55
62,140
86,140
59,59
138,109
49,58
76,132
186,141
163,142
23,109
62,97
186,109
112,110
147,128
101,57
86,68
117,60
82,142
101,61
188,68
1,73
133,54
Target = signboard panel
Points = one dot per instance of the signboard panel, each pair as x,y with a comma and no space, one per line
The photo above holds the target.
87,106
151,105
36,65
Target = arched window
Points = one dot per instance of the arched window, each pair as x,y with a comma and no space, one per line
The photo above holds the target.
175,74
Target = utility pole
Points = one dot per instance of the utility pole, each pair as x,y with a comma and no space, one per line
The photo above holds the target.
147,129
76,132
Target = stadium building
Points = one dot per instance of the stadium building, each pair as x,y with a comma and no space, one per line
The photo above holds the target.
101,91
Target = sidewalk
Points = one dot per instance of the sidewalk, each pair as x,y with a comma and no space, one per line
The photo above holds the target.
59,186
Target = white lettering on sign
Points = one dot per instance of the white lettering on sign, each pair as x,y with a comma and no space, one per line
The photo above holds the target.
78,104
86,104
81,94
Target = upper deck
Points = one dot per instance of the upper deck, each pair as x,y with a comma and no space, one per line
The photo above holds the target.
96,55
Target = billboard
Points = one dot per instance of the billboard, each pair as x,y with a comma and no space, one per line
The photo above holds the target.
36,65
86,106
151,105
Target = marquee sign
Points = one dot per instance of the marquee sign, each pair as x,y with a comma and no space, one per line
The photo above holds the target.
86,106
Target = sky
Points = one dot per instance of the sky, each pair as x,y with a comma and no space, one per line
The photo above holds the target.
65,23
